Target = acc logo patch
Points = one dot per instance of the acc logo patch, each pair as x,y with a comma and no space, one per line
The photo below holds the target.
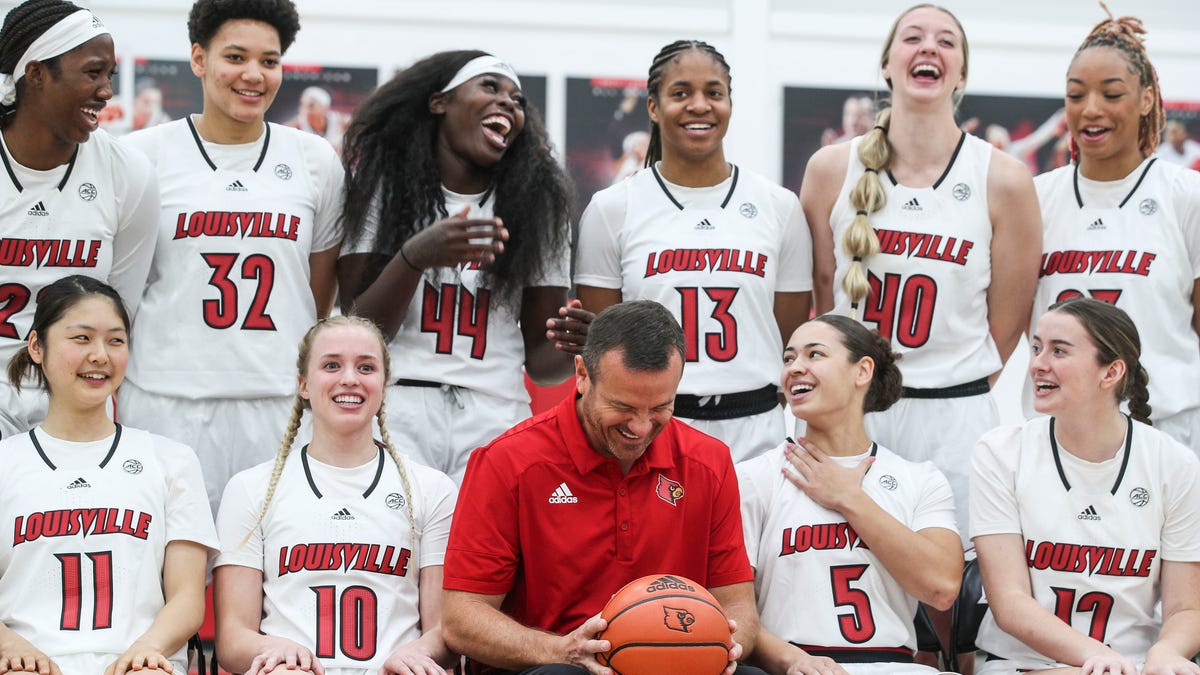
748,210
87,192
1148,207
961,192
132,466
394,501
888,481
668,490
283,172
1139,496
678,619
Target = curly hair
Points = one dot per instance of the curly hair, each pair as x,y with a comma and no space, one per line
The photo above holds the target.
207,17
391,162
1126,35
24,24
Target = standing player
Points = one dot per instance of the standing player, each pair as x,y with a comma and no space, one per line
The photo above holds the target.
927,231
724,249
73,201
845,536
1124,227
104,571
1085,520
331,558
247,245
459,216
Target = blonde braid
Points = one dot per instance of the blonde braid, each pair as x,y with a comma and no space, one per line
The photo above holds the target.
860,241
281,455
408,493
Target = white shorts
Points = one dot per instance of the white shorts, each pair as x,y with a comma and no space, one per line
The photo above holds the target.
94,664
1002,667
747,437
888,669
1183,426
939,430
20,412
228,434
441,426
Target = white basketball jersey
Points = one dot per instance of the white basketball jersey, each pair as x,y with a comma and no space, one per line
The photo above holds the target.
77,219
228,297
1095,533
89,523
929,280
1134,243
714,256
455,332
341,565
817,583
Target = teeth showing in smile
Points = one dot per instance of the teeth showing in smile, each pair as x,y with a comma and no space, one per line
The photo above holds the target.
626,434
348,398
243,92
498,123
927,70
801,389
91,112
698,126
1042,385
94,376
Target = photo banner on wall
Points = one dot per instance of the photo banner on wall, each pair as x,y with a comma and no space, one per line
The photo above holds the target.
321,99
1027,127
1181,137
163,90
607,132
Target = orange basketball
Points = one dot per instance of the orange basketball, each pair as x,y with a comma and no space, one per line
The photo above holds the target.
665,625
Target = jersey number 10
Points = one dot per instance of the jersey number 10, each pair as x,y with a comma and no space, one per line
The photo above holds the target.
349,622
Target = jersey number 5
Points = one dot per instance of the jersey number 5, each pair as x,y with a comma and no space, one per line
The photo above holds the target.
905,314
857,625
223,312
719,346
72,589
355,613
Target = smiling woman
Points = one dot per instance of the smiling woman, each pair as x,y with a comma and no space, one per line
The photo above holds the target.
64,176
458,246
243,295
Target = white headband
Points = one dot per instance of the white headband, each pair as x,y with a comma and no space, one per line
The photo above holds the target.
60,38
482,65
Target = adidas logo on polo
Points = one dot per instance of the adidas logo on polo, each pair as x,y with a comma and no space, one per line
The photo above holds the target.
236,186
1097,225
344,514
705,225
911,205
39,209
1089,514
78,483
562,495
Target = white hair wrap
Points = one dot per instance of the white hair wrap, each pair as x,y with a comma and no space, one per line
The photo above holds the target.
62,37
482,65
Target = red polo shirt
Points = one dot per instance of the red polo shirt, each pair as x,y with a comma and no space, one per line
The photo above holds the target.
545,520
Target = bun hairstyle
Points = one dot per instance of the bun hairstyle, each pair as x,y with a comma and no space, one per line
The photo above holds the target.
886,382
1126,34
53,302
1116,339
860,241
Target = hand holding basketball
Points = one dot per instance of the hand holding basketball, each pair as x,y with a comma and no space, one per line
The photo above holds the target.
584,645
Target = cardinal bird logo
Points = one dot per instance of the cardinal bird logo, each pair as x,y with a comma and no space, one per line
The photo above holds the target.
678,619
668,490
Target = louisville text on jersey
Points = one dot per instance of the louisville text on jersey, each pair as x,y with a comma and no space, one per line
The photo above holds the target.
1096,262
388,560
1090,560
49,252
821,537
70,522
242,224
923,245
711,259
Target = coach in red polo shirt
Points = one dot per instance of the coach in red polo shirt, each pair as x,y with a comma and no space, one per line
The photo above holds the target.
562,510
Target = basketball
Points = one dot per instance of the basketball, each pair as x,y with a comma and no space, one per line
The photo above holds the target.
665,625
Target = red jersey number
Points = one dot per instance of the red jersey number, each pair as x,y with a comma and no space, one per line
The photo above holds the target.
13,298
718,346
903,312
71,567
1105,295
1099,604
350,622
223,312
453,309
857,625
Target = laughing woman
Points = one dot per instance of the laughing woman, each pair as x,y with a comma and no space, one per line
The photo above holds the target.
458,246
67,181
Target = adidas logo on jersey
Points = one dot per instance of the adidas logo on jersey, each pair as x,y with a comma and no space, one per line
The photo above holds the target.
78,483
344,514
39,209
1098,224
705,225
562,495
911,205
1089,514
236,186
